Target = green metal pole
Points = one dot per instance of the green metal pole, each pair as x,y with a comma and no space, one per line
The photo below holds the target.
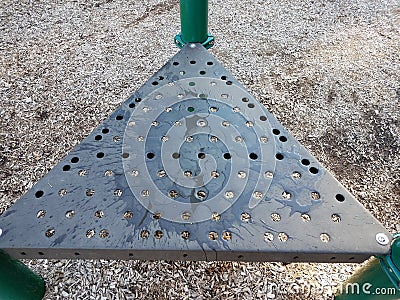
379,279
194,24
17,281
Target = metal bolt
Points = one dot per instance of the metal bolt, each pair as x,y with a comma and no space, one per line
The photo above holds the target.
192,45
201,123
263,139
382,239
242,174
178,123
238,139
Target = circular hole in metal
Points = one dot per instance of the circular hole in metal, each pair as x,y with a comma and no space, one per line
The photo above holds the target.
250,105
296,175
263,118
40,253
23,253
75,159
213,139
210,63
160,77
104,233
275,217
242,174
201,195
269,175
314,170
138,99
339,197
118,193
192,62
279,156
119,117
40,214
225,124
283,139
105,130
185,235
253,156
325,238
144,234
98,137
226,235
158,234
150,155
62,192
286,195
190,109
175,155
185,215
77,254
223,77
213,109
215,216
229,82
100,155
214,174
39,194
99,214
257,195
212,235
229,194
50,232
244,99
66,168
305,162
173,194
175,63
90,233
82,173
306,218
276,131
201,155
128,214
202,72
315,195
268,237
125,155
69,214
154,83
245,217
132,105
227,155
157,216
203,96
108,173
188,173
192,83
283,237
336,218
89,192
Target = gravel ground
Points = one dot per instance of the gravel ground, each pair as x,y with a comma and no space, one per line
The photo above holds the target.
328,69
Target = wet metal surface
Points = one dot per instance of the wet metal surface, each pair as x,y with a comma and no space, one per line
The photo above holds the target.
190,167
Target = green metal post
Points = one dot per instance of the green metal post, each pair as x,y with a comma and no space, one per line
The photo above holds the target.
17,281
194,24
379,279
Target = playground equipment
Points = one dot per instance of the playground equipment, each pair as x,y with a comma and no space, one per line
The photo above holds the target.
192,167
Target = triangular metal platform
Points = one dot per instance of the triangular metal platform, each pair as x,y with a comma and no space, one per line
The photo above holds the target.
191,167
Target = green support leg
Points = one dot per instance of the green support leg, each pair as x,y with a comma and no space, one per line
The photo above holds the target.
194,24
379,279
17,281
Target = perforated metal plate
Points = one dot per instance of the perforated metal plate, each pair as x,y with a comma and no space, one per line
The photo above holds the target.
191,167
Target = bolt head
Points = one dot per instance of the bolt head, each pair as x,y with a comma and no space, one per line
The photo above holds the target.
382,239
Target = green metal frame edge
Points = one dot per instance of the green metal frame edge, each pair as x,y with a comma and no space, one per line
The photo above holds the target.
208,43
17,281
